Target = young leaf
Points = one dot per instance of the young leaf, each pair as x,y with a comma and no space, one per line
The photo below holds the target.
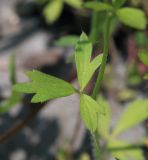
132,17
98,6
53,10
10,102
135,113
119,3
144,57
74,3
44,86
67,41
88,110
104,118
124,151
85,68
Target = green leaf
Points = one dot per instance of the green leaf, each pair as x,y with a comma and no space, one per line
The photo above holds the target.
132,17
98,6
104,118
125,151
53,10
88,110
146,76
74,3
91,68
44,86
10,102
118,3
85,67
67,41
135,113
144,57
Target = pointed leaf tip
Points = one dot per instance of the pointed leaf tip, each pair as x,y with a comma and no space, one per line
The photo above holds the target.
44,87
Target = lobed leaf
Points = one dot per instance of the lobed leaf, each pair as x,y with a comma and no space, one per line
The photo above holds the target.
98,6
132,17
53,10
85,67
135,113
44,87
88,110
125,151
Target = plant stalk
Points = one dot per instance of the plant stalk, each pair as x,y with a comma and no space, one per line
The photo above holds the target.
94,33
105,55
95,26
100,77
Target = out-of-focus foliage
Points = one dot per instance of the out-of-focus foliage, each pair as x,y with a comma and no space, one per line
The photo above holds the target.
125,151
98,6
7,104
15,97
141,39
132,17
146,76
144,57
67,41
134,77
134,114
54,8
118,3
126,94
84,156
129,16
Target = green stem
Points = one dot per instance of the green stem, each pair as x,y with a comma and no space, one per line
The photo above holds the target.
94,33
96,146
104,59
95,27
100,77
